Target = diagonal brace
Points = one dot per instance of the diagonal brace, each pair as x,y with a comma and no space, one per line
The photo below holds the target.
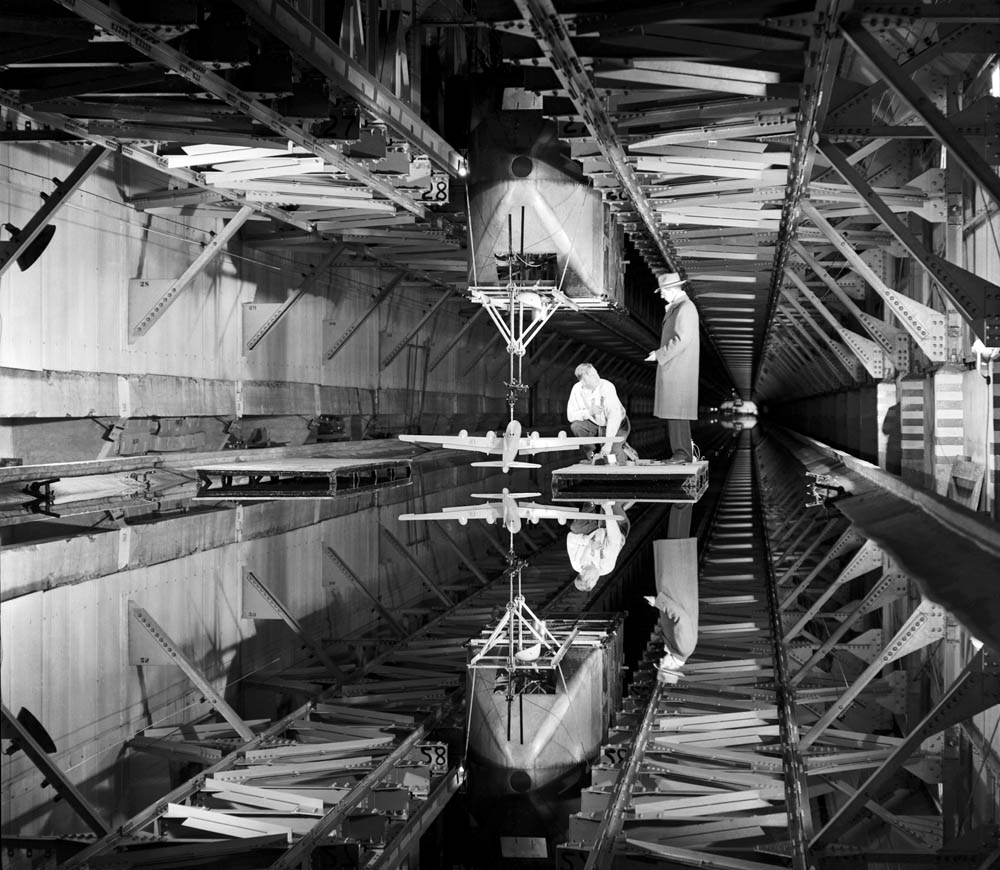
212,249
307,281
909,92
10,251
13,730
976,689
973,296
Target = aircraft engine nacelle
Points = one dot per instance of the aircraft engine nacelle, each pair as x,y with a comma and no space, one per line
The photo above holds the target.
463,433
534,521
562,433
534,435
491,434
561,521
463,521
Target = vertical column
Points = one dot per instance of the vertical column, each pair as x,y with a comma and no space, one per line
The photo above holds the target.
911,428
949,425
867,424
993,449
887,419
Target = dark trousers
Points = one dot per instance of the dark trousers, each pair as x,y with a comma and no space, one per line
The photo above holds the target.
588,428
679,436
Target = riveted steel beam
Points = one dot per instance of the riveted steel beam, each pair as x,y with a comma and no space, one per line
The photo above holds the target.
10,251
299,853
456,338
334,557
925,325
265,594
850,365
143,629
13,730
144,158
976,298
215,246
825,47
867,46
869,354
925,625
145,41
415,565
976,689
886,336
549,28
306,282
398,349
380,297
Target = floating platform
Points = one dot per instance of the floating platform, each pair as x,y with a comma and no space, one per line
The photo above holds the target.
647,480
300,478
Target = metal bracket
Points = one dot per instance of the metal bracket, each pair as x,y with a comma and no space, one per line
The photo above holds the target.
382,295
925,625
926,326
258,599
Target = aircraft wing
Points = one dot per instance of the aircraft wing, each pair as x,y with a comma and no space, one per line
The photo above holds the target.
547,444
462,514
535,512
478,443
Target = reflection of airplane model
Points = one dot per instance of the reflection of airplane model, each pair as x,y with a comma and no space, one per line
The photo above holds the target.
504,507
507,446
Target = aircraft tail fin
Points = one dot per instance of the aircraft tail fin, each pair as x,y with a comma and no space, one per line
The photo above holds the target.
500,495
497,463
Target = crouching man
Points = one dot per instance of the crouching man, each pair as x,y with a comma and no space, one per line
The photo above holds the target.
594,409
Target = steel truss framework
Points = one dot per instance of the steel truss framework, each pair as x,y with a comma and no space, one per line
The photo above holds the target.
760,756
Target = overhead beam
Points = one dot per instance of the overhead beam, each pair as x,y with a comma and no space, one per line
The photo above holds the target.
909,92
977,299
52,202
145,41
349,76
143,157
825,47
554,39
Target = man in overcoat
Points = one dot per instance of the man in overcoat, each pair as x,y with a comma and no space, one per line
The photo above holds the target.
676,397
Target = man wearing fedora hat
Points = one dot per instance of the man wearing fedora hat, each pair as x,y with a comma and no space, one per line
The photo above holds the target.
676,397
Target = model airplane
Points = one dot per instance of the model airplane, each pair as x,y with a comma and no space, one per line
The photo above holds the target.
503,507
507,446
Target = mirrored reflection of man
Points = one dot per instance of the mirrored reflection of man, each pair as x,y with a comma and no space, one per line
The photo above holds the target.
594,546
675,568
676,397
594,409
